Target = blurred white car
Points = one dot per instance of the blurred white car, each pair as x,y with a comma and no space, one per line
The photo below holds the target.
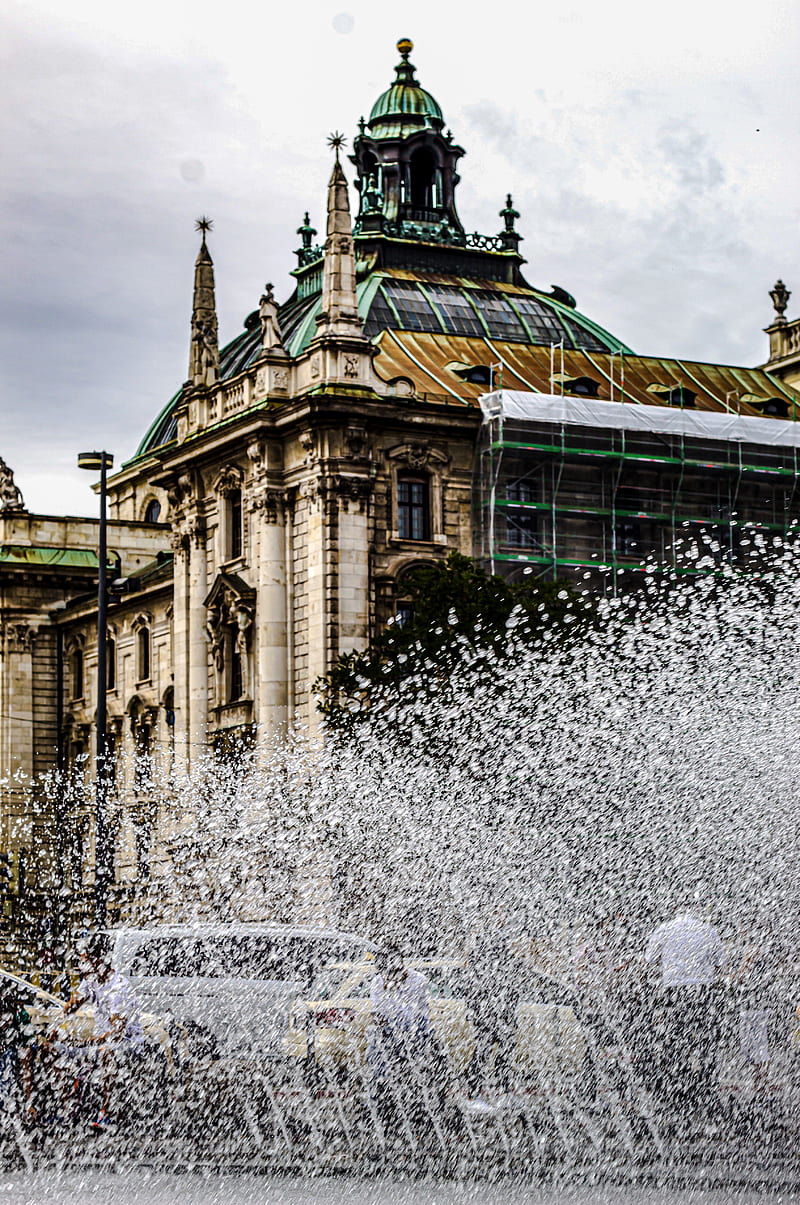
235,984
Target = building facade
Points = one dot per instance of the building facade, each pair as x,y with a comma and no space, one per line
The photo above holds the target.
274,508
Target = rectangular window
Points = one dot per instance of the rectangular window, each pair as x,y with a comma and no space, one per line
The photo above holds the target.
523,490
412,508
523,529
111,664
234,525
233,663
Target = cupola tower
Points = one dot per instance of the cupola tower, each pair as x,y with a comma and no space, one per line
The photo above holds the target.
406,163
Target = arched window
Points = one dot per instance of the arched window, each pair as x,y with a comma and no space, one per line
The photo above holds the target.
143,771
143,654
413,507
152,512
76,666
423,173
111,758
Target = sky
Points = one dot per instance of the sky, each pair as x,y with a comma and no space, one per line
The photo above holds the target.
651,149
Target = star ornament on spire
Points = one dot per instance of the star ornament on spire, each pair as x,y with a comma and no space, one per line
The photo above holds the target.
204,224
336,141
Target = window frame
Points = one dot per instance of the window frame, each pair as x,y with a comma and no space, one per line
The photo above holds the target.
77,666
144,654
234,525
405,510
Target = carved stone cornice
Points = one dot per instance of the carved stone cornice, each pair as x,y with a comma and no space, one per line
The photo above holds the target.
269,502
18,636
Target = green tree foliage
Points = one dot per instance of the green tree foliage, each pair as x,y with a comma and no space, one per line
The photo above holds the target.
456,606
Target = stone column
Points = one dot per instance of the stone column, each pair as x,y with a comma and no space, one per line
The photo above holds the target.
319,586
270,691
198,643
353,575
180,650
16,697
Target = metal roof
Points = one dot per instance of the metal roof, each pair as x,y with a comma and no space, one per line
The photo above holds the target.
403,300
427,360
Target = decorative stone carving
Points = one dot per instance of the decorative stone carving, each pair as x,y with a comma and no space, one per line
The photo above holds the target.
231,607
18,637
313,491
418,455
280,380
315,366
351,365
10,494
354,490
356,440
261,383
308,442
228,480
270,502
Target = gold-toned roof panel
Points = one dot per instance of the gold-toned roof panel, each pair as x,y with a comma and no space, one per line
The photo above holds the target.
428,361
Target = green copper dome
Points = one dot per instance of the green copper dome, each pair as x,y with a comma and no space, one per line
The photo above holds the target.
405,106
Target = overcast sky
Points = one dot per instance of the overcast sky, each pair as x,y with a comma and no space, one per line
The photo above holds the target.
652,150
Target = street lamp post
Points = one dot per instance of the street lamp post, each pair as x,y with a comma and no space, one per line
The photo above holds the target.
103,868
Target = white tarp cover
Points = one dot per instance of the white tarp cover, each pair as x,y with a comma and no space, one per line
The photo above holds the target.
631,416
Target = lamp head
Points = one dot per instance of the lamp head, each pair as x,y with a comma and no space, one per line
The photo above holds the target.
94,461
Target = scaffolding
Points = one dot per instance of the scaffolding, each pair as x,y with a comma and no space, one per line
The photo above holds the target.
572,487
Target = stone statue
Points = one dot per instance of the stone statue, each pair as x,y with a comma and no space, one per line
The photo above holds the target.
244,620
10,494
270,327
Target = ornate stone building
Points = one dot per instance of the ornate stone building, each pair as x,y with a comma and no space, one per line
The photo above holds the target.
272,511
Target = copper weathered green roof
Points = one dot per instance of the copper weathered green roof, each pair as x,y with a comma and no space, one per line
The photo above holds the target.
402,100
25,554
415,301
405,106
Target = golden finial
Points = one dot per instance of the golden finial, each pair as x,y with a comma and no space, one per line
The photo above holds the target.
405,46
204,224
336,141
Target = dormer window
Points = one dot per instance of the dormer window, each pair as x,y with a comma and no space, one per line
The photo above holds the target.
676,395
476,374
581,387
680,396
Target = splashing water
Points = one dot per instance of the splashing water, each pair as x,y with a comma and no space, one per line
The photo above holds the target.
537,790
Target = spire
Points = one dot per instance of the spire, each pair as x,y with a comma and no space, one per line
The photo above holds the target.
204,347
339,314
